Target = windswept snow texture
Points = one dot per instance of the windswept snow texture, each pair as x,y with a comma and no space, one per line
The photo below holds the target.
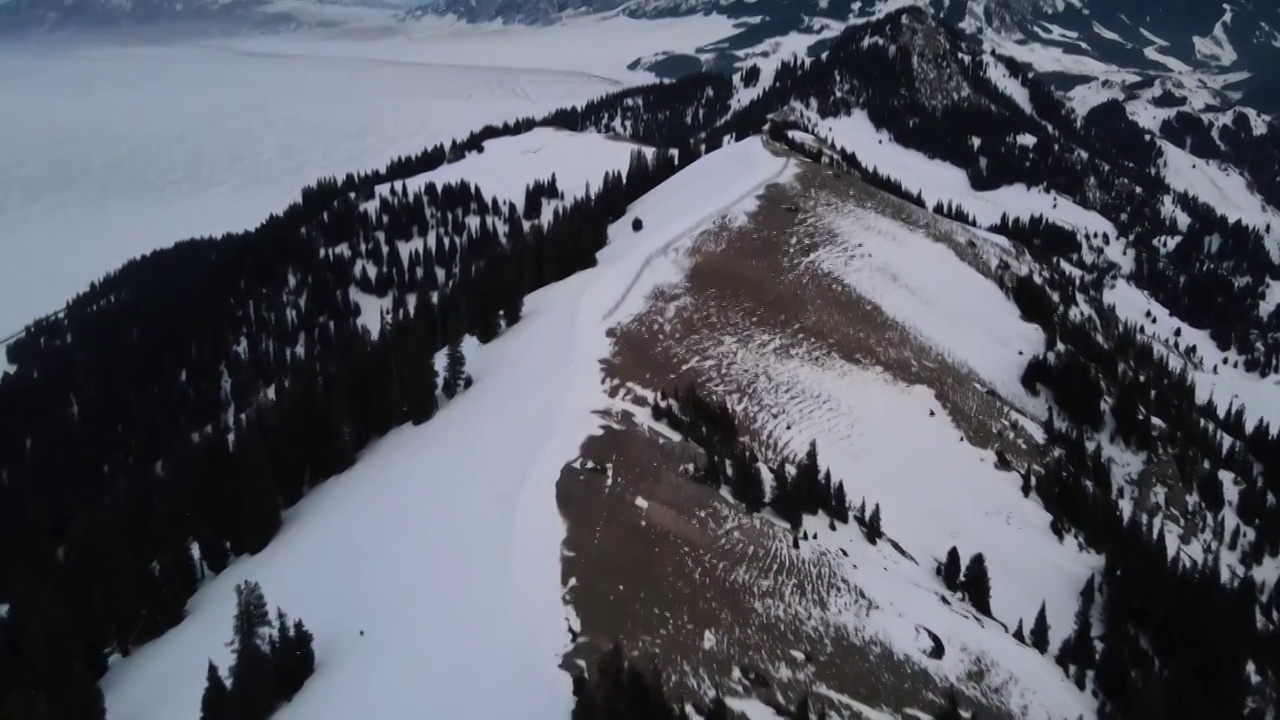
112,152
446,556
923,285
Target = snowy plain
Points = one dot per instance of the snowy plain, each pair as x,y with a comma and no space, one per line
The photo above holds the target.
463,616
113,149
112,152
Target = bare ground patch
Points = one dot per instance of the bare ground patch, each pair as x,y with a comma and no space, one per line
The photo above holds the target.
673,569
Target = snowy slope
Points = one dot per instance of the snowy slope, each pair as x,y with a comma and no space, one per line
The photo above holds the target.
447,558
926,287
939,181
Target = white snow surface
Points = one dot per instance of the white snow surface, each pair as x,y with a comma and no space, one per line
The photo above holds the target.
111,152
508,165
446,557
939,181
1216,47
1221,187
926,287
601,44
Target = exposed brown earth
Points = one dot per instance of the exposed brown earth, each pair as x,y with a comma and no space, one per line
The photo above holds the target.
673,569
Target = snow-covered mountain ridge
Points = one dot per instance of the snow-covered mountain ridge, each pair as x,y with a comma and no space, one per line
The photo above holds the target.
1039,337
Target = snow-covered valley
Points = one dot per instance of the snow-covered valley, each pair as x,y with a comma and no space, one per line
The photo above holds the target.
111,152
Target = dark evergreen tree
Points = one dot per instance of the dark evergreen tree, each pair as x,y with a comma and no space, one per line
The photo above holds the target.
873,531
257,501
951,570
1018,634
455,370
253,692
1040,632
215,704
976,584
840,504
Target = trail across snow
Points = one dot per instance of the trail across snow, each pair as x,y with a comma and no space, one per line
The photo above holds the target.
442,544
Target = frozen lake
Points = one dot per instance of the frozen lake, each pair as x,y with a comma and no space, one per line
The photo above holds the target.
113,151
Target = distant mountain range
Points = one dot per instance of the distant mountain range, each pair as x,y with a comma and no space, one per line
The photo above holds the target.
24,16
1237,43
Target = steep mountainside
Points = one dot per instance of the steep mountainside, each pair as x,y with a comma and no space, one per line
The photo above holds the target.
878,402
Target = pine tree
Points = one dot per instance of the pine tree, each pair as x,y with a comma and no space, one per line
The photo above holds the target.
807,485
840,504
283,648
1040,632
951,570
874,533
1083,653
253,695
1063,656
1018,634
215,704
258,502
976,584
304,659
455,370
416,366
513,309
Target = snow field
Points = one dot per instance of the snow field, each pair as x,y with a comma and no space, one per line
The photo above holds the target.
602,44
510,164
112,152
1222,188
923,285
445,554
939,181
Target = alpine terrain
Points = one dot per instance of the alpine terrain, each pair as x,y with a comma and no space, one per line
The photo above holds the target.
877,360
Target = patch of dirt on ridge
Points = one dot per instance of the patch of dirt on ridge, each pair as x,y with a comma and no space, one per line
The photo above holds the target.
672,568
